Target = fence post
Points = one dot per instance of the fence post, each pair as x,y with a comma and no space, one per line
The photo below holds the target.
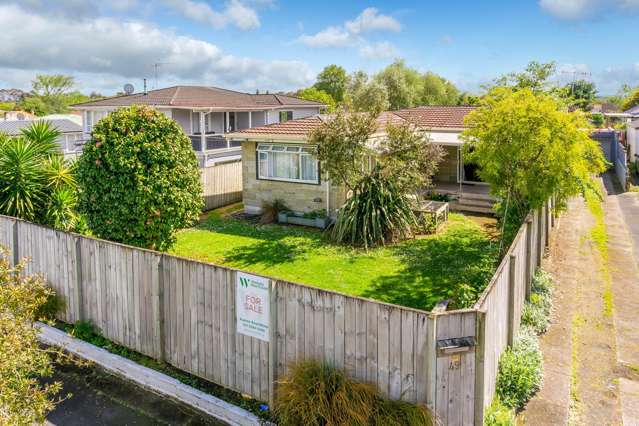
79,293
16,254
529,250
431,362
161,346
479,367
540,233
272,344
512,279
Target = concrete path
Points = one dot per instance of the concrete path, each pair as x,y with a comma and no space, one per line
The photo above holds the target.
591,351
101,399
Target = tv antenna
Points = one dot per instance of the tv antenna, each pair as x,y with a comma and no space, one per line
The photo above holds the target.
156,67
585,75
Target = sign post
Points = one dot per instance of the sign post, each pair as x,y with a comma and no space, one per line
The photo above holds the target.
253,306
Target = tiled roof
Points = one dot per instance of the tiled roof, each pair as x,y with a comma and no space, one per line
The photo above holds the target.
633,110
13,127
201,97
436,116
424,117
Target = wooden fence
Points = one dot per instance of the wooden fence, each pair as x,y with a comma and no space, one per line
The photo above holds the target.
222,184
183,312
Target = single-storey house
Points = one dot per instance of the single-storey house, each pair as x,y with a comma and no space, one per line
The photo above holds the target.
279,163
207,114
70,133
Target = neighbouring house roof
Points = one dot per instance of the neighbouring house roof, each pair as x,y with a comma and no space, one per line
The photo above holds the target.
634,111
426,117
76,118
605,107
13,127
201,97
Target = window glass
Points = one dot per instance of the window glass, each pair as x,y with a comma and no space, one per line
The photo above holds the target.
280,162
285,116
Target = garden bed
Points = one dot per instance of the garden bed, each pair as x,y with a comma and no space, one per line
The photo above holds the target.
456,263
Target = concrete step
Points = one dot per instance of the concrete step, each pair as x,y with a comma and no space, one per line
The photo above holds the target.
455,206
475,202
474,196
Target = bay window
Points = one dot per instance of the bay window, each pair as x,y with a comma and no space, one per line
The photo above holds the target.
287,163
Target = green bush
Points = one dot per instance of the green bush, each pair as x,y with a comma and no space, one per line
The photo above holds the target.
376,214
36,183
520,370
536,312
498,414
139,179
316,394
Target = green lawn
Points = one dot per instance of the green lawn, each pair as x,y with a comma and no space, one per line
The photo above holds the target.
457,262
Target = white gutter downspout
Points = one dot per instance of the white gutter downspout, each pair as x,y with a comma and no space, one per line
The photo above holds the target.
328,197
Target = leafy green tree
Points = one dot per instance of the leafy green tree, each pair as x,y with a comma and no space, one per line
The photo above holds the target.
139,179
51,94
36,183
468,100
528,148
437,90
403,85
25,399
534,77
364,94
333,80
314,94
631,101
580,94
379,178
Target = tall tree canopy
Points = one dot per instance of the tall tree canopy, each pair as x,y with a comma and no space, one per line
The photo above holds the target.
580,94
314,94
402,83
333,80
534,77
529,148
52,94
632,100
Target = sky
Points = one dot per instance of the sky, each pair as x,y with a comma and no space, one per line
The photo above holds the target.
281,45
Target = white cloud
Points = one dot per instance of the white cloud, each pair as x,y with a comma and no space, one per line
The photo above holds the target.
351,34
370,20
582,9
236,13
329,37
242,16
126,50
382,50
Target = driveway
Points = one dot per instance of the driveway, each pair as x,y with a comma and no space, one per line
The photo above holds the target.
102,399
591,350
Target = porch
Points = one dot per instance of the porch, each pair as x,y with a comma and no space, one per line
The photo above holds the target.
467,197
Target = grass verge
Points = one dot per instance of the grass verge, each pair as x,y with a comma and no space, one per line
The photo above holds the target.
86,331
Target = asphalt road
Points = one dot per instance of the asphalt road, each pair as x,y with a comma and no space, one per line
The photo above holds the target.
102,399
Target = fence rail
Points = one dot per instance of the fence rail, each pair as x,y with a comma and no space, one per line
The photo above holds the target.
183,312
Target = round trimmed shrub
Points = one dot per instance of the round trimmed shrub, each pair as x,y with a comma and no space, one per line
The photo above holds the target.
139,179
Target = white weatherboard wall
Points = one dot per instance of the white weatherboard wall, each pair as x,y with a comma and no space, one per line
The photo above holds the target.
184,312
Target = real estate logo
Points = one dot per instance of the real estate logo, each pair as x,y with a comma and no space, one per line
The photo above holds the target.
252,301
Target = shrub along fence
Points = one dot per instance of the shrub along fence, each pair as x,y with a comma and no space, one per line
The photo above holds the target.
185,313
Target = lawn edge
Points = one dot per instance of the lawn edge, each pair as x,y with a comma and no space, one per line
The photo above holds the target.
147,378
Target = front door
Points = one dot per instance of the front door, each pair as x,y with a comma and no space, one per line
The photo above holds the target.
469,171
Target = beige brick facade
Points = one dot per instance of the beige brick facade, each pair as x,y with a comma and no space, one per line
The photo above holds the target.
447,170
299,197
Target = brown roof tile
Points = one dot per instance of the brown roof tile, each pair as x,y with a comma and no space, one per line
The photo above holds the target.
436,116
425,117
201,97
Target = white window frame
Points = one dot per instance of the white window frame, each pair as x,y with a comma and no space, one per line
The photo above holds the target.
298,149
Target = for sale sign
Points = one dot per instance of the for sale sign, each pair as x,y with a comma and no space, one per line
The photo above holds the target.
252,298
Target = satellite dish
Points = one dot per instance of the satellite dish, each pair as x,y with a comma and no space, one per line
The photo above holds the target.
128,89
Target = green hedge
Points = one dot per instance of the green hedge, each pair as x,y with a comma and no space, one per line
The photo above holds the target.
139,179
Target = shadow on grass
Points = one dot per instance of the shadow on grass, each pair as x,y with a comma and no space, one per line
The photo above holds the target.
276,244
455,265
